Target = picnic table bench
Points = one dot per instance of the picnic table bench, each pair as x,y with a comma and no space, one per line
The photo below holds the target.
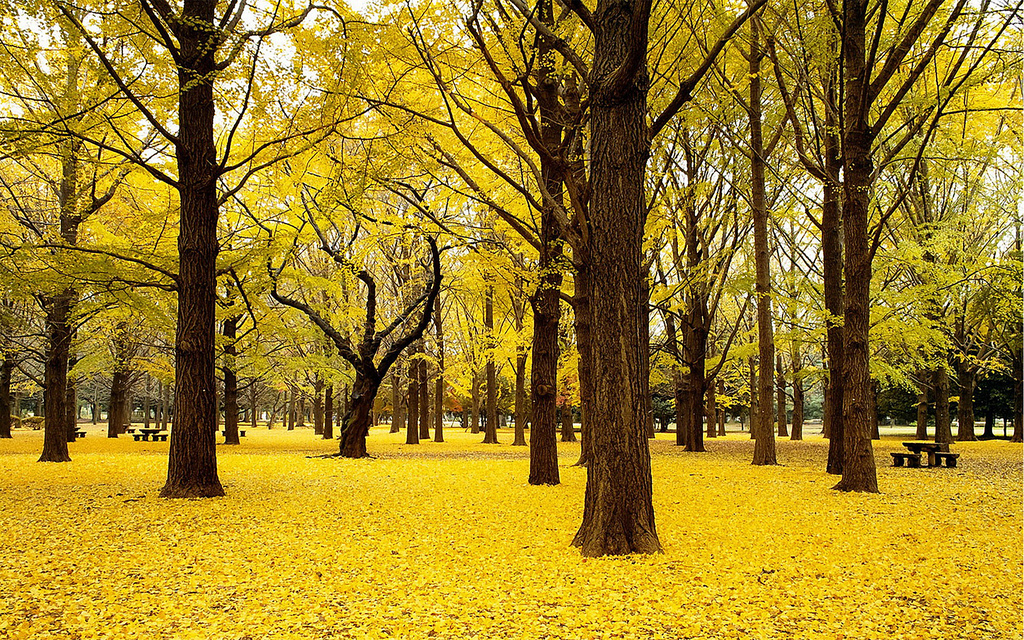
80,433
241,433
145,434
937,452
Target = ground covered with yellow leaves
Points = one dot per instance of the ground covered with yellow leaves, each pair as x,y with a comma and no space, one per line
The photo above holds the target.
449,541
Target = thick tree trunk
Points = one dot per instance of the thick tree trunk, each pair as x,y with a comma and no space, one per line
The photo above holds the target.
192,457
117,408
618,512
544,373
397,411
940,383
832,285
859,472
922,405
55,379
6,372
568,429
1018,395
357,420
968,380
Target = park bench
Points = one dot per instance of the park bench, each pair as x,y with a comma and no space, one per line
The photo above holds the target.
144,434
950,458
80,433
241,433
912,459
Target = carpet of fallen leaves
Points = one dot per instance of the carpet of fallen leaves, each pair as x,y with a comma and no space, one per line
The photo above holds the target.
449,541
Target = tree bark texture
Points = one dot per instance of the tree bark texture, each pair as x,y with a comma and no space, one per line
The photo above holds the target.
967,378
859,472
761,425
230,331
6,371
328,433
192,457
439,379
491,427
618,512
940,383
412,424
424,408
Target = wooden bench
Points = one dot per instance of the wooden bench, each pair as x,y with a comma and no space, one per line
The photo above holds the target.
241,433
912,459
162,437
139,436
950,458
80,433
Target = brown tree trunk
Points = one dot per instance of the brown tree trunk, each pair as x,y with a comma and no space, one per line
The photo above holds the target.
55,379
721,413
761,425
618,511
192,457
474,421
397,412
581,307
117,407
711,410
412,424
568,429
797,432
6,372
230,331
424,405
967,379
544,372
357,420
328,432
780,397
832,285
859,472
520,408
439,379
491,428
940,383
922,405
318,407
1018,395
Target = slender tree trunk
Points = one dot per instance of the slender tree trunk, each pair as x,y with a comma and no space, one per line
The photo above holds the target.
711,410
439,379
797,432
922,405
424,408
328,432
412,425
761,426
721,414
520,409
832,284
491,428
6,372
474,412
618,511
318,407
581,322
230,331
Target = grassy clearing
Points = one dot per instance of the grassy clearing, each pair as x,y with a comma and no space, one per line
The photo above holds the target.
448,541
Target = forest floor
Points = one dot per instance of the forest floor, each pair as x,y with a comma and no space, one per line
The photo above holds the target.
449,541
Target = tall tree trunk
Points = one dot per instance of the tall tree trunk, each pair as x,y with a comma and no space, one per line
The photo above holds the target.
192,457
520,408
146,407
424,408
797,432
967,379
230,331
618,511
328,433
940,383
832,285
581,322
859,472
318,407
6,372
491,428
780,397
761,426
1018,394
412,425
474,412
568,429
439,379
923,385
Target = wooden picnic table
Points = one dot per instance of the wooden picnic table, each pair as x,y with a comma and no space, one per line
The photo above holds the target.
146,434
936,451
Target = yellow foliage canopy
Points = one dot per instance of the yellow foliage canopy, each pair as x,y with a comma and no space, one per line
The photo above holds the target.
449,541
